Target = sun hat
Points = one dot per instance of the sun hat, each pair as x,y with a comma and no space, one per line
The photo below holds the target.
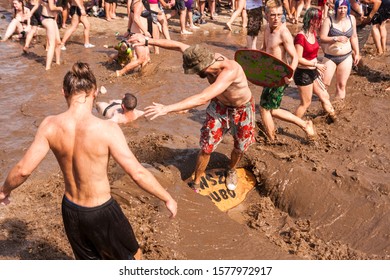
196,58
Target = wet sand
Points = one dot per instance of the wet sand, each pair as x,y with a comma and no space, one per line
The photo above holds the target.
329,200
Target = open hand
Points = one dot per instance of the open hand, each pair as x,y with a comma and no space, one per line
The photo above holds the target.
155,110
172,207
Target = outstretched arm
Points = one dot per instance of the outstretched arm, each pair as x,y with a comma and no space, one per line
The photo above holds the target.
23,169
139,40
224,80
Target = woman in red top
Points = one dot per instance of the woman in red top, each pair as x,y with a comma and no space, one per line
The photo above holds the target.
309,73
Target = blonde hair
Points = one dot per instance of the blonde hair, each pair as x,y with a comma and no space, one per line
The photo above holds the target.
271,4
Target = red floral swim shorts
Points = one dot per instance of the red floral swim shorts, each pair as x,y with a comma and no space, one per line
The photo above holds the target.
220,119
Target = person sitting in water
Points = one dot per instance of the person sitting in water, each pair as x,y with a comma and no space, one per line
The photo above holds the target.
120,111
20,23
125,52
129,57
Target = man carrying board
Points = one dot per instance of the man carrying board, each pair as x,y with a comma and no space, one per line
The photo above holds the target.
278,42
231,104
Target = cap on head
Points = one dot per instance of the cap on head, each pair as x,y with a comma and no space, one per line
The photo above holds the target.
196,58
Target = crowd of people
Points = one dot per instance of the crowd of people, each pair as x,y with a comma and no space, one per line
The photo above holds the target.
231,106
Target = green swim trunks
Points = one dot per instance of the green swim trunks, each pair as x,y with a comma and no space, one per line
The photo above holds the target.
272,97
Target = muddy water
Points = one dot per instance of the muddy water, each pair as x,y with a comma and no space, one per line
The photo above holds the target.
344,213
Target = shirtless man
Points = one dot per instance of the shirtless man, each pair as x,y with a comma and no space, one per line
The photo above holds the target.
120,111
82,143
230,100
278,41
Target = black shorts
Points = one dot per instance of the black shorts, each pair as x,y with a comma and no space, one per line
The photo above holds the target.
180,5
255,19
62,3
99,233
75,10
381,15
305,77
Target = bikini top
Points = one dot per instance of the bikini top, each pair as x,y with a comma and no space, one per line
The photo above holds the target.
333,32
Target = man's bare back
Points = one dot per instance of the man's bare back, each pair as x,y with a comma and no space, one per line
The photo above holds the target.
82,144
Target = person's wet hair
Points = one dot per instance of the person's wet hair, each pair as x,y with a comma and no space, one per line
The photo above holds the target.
311,14
79,79
129,101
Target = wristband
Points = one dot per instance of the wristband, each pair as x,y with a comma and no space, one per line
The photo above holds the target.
146,41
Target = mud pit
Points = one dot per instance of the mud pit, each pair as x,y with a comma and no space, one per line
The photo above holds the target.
329,200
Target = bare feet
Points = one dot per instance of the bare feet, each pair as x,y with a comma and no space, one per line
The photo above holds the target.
186,32
228,26
309,129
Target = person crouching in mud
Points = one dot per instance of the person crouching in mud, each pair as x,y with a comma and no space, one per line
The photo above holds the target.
129,57
231,105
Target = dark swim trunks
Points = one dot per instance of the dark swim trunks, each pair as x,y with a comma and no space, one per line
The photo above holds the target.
74,10
272,97
255,19
99,233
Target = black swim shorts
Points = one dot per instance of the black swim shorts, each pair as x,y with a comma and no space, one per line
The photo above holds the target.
255,19
74,10
99,233
179,6
305,77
